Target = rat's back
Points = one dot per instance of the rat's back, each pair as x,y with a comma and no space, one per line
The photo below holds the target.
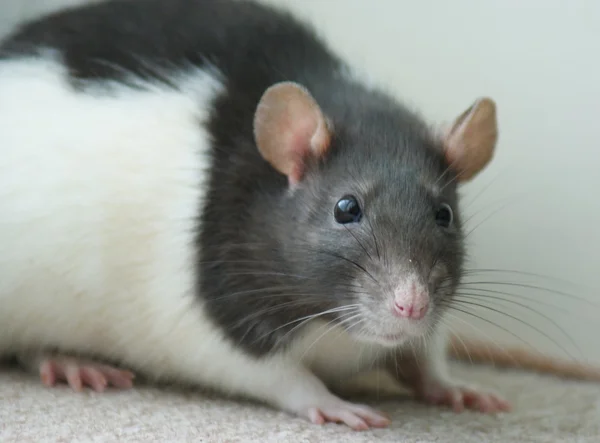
252,45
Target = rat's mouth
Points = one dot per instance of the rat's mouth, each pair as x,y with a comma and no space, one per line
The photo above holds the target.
396,334
388,340
391,339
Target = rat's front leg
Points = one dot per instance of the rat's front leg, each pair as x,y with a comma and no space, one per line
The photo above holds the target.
295,389
424,369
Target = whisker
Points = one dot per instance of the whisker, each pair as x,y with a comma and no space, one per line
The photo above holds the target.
253,316
352,309
374,238
480,193
415,356
481,292
470,272
273,308
269,273
487,321
275,292
451,330
453,179
349,284
479,331
280,307
553,322
487,218
359,243
306,319
535,287
463,302
443,174
359,360
328,330
341,257
509,199
265,292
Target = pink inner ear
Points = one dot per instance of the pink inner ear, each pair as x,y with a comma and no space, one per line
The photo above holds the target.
311,139
299,149
289,128
469,145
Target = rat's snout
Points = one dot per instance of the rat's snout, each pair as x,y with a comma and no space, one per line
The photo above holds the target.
411,300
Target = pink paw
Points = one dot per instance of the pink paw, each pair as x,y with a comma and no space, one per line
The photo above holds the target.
460,397
78,374
357,417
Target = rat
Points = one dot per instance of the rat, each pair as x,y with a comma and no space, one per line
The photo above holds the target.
204,192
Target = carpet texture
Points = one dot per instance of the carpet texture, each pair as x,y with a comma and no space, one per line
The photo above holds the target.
546,410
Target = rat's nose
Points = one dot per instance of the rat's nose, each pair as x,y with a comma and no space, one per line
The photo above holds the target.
411,302
410,310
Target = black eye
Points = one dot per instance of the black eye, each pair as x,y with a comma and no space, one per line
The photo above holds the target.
444,216
347,210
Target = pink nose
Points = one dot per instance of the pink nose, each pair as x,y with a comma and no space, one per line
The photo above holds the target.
409,310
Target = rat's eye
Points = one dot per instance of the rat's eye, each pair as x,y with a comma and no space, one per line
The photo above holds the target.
347,210
444,216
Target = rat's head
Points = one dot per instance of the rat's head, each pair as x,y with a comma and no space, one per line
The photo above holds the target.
371,215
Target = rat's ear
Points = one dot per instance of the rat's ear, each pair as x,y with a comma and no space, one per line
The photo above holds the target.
289,128
469,144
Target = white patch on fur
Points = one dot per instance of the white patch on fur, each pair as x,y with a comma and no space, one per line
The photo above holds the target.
99,199
100,194
332,353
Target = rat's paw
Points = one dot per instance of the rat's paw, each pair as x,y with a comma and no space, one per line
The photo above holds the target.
460,397
79,374
357,417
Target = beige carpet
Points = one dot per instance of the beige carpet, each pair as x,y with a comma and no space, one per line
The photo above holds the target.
547,410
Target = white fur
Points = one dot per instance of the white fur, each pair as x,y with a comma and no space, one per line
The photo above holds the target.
99,198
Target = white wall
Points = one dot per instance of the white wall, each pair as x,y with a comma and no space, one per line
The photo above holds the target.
13,12
540,60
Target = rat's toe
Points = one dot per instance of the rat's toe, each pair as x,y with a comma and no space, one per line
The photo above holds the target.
80,373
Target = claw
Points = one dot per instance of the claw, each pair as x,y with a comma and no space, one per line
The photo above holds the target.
460,397
357,417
